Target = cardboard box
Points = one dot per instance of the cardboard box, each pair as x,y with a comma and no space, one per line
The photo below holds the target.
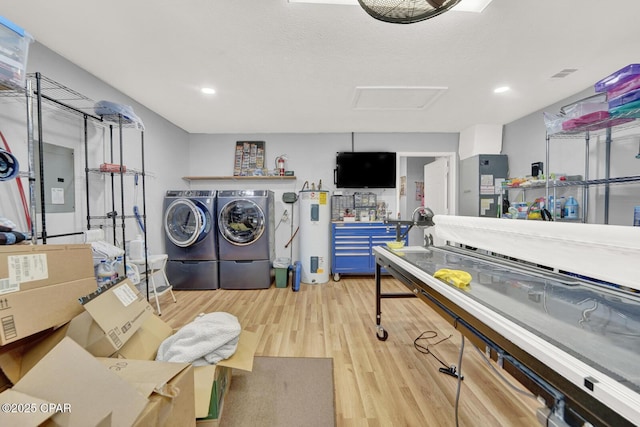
167,386
211,382
40,286
181,393
25,267
57,370
84,392
25,313
111,318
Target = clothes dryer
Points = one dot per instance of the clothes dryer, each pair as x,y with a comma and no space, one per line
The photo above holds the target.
246,238
191,239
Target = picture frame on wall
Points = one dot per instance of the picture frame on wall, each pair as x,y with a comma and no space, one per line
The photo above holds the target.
249,158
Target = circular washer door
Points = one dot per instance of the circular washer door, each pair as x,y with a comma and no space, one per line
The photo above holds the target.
241,222
186,222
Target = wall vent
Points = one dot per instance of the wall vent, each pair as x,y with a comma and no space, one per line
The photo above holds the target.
564,73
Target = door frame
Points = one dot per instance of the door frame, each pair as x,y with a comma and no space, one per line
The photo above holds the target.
453,174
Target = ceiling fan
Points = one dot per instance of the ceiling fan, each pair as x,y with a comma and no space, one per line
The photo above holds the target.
406,11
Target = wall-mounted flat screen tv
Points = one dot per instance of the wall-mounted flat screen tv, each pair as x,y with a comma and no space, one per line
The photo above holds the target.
365,170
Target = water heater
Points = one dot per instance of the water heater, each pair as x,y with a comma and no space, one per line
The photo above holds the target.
315,236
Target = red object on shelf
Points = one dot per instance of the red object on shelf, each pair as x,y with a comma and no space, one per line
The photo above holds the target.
587,119
112,167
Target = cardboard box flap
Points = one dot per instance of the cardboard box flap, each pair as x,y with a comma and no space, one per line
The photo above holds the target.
145,375
204,377
143,345
62,377
16,360
86,332
243,357
119,311
24,418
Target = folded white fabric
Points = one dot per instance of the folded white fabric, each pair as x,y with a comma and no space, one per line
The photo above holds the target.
207,340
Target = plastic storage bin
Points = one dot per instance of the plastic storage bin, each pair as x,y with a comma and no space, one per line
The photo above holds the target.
629,111
621,76
14,51
281,266
582,108
624,87
626,98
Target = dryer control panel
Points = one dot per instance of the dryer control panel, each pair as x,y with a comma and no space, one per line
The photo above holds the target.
190,193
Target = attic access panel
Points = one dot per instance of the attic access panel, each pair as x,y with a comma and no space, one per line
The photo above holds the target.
59,183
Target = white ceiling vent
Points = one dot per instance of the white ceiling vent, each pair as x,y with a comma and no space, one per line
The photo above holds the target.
396,97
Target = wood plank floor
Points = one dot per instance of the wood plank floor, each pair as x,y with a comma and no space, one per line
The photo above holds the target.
376,383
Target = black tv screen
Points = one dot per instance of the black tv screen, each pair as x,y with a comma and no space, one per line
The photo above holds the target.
365,170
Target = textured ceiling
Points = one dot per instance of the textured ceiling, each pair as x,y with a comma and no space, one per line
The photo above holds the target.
282,67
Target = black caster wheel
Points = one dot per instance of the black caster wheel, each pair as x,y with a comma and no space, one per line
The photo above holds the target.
384,335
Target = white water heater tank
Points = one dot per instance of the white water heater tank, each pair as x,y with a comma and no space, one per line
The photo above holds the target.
315,236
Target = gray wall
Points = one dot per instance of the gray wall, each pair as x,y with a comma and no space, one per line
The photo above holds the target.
311,157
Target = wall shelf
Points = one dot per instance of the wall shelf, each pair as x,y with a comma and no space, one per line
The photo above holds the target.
238,178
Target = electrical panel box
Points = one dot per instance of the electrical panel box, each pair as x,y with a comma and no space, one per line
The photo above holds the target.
59,182
481,177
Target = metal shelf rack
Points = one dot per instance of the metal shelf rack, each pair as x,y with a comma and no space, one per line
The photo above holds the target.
605,127
49,93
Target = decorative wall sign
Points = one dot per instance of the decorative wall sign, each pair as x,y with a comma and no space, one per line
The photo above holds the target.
249,159
419,191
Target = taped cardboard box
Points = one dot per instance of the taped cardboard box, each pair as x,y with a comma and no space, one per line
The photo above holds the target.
24,267
40,286
25,313
211,382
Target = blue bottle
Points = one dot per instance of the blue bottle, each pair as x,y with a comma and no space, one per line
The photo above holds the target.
571,208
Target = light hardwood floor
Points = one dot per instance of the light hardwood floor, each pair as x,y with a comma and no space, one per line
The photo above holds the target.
376,383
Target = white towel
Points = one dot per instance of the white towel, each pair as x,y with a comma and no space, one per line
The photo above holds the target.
207,340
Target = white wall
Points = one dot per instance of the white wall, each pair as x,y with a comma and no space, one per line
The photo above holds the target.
480,139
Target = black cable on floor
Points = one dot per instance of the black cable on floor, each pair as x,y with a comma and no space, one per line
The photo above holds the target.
426,350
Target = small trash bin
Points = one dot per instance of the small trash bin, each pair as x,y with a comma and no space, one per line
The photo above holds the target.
281,265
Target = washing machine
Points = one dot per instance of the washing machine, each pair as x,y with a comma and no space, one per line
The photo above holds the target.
191,239
246,232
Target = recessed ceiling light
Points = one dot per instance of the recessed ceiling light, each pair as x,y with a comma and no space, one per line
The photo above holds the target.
502,89
464,6
208,90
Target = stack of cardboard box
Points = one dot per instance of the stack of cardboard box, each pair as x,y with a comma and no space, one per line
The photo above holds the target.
76,356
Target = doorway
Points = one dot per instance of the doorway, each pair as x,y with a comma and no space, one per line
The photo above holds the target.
411,168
